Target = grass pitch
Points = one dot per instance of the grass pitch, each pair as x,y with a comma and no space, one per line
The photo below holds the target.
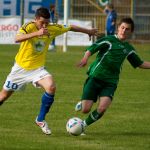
125,126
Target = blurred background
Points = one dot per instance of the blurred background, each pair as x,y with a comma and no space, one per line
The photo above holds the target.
14,13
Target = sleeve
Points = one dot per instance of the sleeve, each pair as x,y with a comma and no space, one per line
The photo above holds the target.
26,28
134,59
99,45
21,31
60,29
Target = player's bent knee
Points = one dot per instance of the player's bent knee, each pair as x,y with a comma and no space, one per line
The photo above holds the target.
85,110
51,89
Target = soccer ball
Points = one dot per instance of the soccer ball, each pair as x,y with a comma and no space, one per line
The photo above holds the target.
75,126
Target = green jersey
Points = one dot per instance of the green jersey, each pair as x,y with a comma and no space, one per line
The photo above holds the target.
111,54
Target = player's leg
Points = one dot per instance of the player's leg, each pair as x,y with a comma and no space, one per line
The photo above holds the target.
89,96
48,85
4,95
41,78
106,95
99,112
86,106
11,84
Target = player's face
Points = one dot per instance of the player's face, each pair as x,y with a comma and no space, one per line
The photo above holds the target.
124,31
41,22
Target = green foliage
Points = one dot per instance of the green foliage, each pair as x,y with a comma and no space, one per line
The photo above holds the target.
125,126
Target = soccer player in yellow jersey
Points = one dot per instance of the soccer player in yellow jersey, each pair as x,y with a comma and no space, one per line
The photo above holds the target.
35,38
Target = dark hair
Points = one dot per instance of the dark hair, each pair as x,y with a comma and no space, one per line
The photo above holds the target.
42,12
128,21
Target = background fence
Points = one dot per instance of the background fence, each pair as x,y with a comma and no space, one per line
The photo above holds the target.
90,10
138,10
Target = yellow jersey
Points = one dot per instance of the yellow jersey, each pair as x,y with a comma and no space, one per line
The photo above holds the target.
32,52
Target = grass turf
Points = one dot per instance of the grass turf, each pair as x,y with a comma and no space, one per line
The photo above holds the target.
124,126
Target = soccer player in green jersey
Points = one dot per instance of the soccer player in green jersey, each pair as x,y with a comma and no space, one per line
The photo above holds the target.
103,73
35,37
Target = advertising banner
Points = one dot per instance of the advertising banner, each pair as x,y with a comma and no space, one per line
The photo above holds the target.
8,30
10,26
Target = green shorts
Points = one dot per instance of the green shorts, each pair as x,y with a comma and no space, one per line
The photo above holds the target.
94,88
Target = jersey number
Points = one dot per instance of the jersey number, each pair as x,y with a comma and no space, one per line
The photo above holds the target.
10,85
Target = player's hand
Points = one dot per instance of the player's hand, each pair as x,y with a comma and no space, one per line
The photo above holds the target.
92,32
43,31
82,63
84,60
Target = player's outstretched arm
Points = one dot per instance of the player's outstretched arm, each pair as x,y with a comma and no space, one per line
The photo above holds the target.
145,65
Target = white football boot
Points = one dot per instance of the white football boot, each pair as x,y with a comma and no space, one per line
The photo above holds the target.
44,126
78,106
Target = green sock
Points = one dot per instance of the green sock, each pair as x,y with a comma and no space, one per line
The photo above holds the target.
94,116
